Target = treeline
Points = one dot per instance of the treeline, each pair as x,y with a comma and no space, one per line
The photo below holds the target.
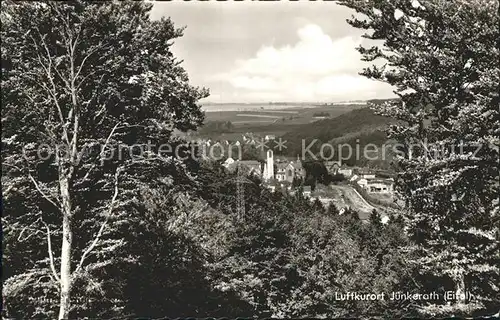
321,114
316,172
188,254
355,129
211,127
328,129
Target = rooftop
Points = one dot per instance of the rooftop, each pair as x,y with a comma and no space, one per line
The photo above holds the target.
383,181
250,162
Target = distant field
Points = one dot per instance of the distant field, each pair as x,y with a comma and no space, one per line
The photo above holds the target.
267,119
296,115
209,107
280,111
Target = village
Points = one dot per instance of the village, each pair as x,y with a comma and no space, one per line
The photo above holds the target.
362,189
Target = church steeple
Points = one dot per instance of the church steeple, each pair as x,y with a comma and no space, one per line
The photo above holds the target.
269,166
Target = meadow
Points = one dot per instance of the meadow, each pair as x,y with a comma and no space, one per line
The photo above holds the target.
266,119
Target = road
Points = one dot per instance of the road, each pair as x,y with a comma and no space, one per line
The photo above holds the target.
349,197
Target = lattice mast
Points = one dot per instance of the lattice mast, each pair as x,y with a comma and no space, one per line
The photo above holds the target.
240,192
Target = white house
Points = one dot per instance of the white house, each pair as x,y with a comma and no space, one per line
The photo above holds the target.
306,192
229,161
362,182
385,219
346,172
281,171
270,137
288,171
333,166
379,186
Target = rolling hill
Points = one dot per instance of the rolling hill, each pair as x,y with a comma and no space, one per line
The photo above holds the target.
355,128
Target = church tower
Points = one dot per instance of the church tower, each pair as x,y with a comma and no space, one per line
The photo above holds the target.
269,166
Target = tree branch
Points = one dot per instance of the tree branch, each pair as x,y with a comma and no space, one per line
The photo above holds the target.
106,143
53,92
83,62
101,111
20,239
51,256
101,229
66,82
46,197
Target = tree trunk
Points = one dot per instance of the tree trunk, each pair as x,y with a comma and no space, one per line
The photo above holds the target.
65,302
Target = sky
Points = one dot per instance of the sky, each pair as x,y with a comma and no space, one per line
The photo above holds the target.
255,51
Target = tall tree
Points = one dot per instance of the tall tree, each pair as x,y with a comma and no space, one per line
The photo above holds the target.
89,91
442,58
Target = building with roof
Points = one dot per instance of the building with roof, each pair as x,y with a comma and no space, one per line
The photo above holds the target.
300,172
269,137
251,166
336,167
289,170
306,191
229,161
346,172
379,186
281,170
362,183
333,166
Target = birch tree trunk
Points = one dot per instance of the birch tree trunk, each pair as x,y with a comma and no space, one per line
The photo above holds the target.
65,302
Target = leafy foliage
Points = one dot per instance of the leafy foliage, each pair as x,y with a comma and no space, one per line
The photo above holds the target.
442,57
288,257
154,235
216,127
83,85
